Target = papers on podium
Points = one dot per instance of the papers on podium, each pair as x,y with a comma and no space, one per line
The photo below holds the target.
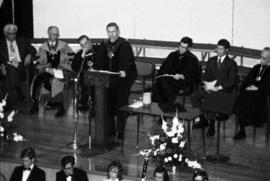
58,73
105,71
164,75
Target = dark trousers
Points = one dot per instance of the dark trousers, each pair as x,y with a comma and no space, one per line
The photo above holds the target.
166,89
12,82
42,79
117,97
250,108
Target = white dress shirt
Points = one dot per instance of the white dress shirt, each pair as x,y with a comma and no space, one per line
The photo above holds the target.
13,54
26,173
221,58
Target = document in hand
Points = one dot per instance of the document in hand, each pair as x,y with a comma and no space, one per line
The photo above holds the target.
210,85
58,73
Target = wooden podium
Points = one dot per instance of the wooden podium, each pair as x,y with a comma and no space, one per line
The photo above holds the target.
101,80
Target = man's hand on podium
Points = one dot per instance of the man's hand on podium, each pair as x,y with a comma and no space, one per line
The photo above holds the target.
122,74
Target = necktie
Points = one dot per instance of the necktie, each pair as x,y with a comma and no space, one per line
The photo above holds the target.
25,169
12,49
219,62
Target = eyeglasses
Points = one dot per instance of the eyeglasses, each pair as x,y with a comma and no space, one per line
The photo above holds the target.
263,58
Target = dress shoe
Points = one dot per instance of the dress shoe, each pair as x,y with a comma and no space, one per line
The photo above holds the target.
61,111
34,109
200,122
211,131
51,105
239,136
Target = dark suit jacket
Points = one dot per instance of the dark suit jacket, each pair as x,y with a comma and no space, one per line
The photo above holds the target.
24,47
263,85
226,75
36,174
78,175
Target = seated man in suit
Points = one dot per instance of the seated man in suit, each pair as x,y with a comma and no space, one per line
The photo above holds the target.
251,102
86,55
221,73
15,56
28,171
69,172
53,65
181,66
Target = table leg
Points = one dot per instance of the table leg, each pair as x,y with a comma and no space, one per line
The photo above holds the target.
189,137
138,129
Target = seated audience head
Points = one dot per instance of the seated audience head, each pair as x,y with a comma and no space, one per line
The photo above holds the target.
10,31
113,31
185,45
28,157
85,42
67,164
223,47
160,174
200,175
115,170
53,33
265,56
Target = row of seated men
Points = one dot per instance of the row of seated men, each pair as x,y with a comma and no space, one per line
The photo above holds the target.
29,171
115,54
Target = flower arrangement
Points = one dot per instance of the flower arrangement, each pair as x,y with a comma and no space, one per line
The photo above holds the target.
169,147
6,127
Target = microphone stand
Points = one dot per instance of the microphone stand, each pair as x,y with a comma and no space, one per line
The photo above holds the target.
74,144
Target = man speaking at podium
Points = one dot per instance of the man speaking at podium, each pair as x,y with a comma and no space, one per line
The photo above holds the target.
116,55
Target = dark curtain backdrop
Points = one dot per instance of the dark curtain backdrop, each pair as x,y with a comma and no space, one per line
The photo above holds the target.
23,16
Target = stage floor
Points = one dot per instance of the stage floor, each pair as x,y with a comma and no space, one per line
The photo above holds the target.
250,159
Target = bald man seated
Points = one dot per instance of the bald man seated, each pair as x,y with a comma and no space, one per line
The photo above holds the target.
53,66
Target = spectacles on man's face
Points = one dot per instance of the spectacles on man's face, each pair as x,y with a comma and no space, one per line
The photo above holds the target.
184,47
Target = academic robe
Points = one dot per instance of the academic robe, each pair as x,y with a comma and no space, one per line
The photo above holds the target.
58,59
251,105
166,89
117,56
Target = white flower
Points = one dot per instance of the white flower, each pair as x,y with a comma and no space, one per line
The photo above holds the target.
1,115
162,146
2,129
166,160
170,134
181,129
10,116
145,152
17,137
193,164
156,151
175,121
170,158
164,125
180,158
153,138
182,144
174,140
175,156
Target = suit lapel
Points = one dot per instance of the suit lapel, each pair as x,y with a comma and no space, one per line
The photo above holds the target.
19,45
5,50
215,67
31,174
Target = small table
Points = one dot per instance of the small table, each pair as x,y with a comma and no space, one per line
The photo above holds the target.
154,110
